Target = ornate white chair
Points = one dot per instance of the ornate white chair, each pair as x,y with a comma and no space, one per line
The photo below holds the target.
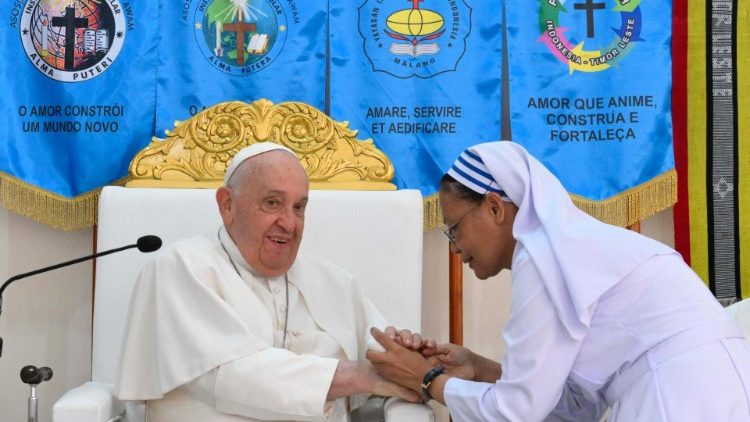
375,234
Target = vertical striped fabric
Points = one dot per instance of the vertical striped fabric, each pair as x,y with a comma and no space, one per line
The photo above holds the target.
721,151
715,212
743,113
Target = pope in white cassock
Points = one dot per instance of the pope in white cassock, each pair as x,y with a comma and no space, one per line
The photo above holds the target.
238,327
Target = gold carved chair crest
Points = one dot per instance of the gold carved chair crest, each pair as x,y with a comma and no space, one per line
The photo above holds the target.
197,151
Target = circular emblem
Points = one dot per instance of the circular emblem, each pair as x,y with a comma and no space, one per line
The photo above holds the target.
424,40
240,37
594,24
72,41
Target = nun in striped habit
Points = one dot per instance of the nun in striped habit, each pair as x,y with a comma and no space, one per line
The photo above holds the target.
601,317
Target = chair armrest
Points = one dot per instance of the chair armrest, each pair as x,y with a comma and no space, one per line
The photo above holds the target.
90,402
397,410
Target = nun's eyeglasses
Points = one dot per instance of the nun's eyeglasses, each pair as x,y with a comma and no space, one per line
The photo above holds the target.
450,231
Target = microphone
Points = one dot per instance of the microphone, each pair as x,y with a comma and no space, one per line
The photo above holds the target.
32,375
148,243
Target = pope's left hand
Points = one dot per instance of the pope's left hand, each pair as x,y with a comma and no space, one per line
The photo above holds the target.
398,364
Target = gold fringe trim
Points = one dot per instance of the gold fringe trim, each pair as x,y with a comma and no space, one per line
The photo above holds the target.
433,216
624,209
54,210
635,204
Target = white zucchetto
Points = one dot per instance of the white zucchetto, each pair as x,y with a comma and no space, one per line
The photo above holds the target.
252,151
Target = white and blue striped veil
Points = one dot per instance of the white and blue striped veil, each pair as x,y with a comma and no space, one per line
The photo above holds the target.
470,171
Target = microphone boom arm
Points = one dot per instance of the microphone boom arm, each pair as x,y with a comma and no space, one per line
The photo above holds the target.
60,265
148,243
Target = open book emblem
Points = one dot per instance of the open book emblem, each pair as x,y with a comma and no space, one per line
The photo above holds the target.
258,44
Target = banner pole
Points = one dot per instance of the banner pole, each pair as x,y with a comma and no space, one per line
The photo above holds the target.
455,298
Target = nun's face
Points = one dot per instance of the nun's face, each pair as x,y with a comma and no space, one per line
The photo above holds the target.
481,231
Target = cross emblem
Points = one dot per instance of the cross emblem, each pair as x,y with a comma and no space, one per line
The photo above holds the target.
589,7
70,22
239,28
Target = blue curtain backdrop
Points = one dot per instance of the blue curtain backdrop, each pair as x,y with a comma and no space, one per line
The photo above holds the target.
282,55
590,93
78,91
90,82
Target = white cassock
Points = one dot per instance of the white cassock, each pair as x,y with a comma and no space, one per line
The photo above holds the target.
204,344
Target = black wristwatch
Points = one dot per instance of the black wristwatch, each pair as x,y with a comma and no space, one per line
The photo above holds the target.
429,377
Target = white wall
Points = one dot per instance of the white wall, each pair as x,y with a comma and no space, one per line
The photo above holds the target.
46,319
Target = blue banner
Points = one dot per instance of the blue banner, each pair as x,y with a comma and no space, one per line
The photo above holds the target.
224,50
590,92
79,80
421,77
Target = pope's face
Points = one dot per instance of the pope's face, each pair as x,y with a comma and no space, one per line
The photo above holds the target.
265,213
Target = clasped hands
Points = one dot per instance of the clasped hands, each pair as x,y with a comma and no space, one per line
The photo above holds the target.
408,357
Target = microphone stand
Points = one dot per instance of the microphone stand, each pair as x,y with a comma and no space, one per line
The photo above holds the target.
32,375
29,374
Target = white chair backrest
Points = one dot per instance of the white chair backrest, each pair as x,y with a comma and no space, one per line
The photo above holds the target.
375,235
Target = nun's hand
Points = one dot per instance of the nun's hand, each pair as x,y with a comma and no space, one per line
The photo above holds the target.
410,340
398,364
458,361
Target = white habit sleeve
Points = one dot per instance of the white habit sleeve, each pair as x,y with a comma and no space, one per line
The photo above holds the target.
539,356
